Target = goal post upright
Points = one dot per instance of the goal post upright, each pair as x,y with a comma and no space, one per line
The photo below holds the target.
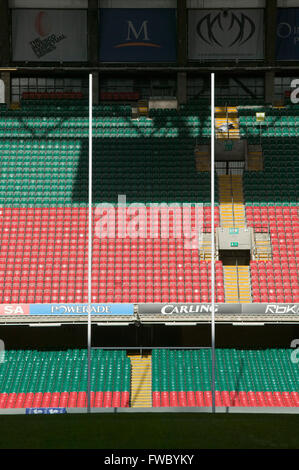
89,246
213,237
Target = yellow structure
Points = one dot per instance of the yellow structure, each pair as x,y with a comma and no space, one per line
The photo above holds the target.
141,381
237,284
232,208
225,116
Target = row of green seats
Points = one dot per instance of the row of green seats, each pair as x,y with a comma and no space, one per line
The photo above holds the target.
58,371
245,370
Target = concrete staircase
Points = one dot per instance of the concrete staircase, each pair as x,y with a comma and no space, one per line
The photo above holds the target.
237,284
232,214
227,115
243,273
205,248
263,249
239,207
202,158
225,200
141,381
255,158
230,285
232,209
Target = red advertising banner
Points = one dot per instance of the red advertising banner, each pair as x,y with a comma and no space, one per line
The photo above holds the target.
14,309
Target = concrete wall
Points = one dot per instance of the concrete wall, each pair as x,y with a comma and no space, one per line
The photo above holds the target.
75,336
84,3
4,33
237,153
226,4
148,3
48,4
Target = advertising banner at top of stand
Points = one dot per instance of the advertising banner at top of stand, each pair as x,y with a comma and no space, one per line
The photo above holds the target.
49,35
226,34
137,34
287,34
66,309
188,309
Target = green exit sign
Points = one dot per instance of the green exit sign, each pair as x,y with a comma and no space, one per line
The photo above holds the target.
233,244
233,231
228,146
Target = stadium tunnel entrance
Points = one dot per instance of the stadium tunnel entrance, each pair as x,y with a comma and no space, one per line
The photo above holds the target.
235,257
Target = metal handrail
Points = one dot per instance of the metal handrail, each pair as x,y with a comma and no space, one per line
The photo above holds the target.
250,283
232,198
238,285
227,122
269,248
148,348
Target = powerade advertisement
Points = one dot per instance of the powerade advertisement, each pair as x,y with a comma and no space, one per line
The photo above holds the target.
287,34
137,35
66,309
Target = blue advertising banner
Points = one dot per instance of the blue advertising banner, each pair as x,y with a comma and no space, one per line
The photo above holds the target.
137,35
287,34
81,309
45,411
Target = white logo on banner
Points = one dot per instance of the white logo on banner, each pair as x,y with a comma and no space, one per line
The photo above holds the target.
294,97
295,353
46,42
284,30
49,35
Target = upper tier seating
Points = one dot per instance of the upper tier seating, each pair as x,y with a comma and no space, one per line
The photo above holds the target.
43,257
44,199
44,156
276,280
277,183
271,198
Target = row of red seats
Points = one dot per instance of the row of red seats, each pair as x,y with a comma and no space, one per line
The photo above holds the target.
274,218
52,95
119,95
64,400
225,398
276,211
159,399
270,284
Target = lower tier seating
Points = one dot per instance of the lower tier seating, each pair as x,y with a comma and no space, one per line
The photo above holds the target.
30,378
243,378
59,379
44,258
